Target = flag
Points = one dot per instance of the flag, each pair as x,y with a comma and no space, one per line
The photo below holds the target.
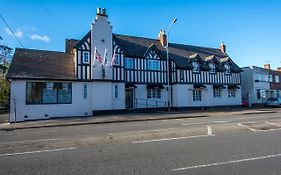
94,58
97,56
105,60
113,61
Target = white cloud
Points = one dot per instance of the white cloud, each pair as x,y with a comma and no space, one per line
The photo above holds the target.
18,33
43,38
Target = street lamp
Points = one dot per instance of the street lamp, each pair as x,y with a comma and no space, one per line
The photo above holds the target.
168,64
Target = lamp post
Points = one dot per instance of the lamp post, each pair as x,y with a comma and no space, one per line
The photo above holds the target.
168,65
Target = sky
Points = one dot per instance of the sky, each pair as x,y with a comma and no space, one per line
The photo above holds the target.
250,29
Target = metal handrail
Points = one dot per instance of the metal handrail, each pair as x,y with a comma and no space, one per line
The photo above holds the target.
148,103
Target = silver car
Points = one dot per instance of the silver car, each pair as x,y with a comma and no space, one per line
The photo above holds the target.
275,102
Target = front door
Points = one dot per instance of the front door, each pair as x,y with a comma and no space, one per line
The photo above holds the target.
129,98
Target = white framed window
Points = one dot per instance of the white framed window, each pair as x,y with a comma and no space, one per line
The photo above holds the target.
227,69
117,59
181,75
86,57
270,78
217,92
276,78
277,93
154,93
85,91
197,95
129,63
212,68
231,92
196,67
258,93
153,65
116,91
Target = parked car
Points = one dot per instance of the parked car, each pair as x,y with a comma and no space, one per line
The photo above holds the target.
245,103
274,102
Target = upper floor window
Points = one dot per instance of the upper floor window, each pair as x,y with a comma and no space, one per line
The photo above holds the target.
227,69
129,63
153,65
86,57
270,78
117,59
196,66
212,68
276,77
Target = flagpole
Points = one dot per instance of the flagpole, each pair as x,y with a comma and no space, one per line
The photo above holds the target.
94,60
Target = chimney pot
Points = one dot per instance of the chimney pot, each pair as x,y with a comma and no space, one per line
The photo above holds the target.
98,10
266,66
223,47
163,38
103,11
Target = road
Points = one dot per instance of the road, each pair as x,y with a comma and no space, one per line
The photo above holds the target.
225,144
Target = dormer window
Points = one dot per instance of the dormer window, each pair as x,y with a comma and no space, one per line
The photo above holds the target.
227,69
212,68
196,67
86,57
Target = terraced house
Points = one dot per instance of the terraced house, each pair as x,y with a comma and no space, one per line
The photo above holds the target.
105,71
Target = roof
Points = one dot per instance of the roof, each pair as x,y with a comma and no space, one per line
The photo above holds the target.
181,54
41,64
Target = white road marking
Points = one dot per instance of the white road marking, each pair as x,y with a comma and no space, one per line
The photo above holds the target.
144,131
199,123
40,151
210,131
228,162
245,126
273,123
173,138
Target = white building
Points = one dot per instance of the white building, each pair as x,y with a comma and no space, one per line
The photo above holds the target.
107,72
259,84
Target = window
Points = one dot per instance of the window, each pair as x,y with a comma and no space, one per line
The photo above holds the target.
116,91
231,92
153,65
196,95
154,93
117,59
212,68
85,91
276,77
196,66
86,57
181,75
227,69
217,92
258,93
270,78
129,63
48,93
277,93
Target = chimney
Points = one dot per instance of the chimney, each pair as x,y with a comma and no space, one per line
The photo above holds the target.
101,12
223,47
163,38
69,44
266,66
279,69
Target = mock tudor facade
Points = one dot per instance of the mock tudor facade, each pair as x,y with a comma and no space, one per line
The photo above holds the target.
111,72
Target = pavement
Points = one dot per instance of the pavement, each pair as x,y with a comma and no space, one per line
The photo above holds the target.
133,117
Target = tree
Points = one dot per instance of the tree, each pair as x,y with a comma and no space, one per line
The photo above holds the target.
5,54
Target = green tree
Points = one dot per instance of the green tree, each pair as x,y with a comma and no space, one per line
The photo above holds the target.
4,92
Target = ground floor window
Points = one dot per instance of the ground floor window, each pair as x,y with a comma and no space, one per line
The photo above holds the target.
258,93
217,92
116,91
48,93
277,93
85,91
154,93
197,95
231,92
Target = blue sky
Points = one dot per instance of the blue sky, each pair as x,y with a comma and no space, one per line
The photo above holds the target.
250,29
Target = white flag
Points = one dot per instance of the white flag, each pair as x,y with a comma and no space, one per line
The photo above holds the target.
113,60
105,60
94,58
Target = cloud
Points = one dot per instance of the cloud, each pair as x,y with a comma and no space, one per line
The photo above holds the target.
43,38
18,33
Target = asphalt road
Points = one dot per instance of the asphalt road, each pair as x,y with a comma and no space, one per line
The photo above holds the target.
230,144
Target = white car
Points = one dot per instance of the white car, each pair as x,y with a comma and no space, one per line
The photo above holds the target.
275,102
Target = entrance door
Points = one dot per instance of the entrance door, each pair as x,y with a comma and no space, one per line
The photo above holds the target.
129,98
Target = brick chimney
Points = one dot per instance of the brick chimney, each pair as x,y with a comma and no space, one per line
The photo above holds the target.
69,44
163,38
266,66
223,47
101,12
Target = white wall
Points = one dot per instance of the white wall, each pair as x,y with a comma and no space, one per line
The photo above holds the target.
183,97
119,102
142,101
78,107
102,95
